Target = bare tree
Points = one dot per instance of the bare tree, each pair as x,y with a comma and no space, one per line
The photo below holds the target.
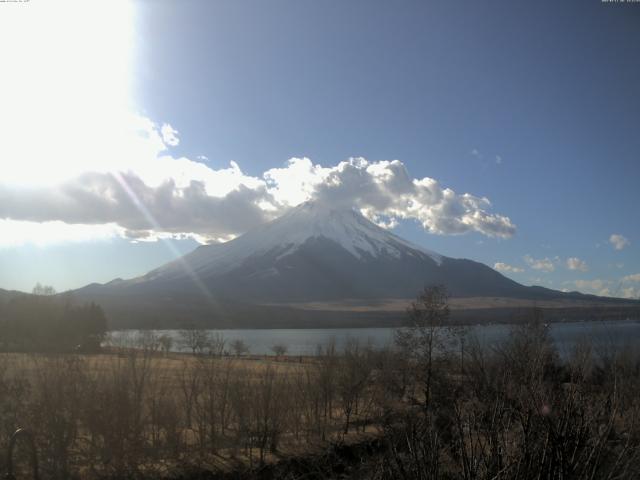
326,378
43,290
352,377
424,334
269,410
57,396
147,340
239,347
195,340
166,342
216,344
279,349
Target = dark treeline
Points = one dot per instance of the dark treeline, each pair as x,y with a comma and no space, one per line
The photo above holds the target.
167,314
45,322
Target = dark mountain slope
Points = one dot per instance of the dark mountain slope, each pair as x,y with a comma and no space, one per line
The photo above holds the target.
313,253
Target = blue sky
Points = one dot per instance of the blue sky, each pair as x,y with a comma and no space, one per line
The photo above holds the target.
533,105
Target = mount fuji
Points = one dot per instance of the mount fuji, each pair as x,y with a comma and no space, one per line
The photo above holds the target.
314,254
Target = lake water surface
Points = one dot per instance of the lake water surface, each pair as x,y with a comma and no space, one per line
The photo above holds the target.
603,335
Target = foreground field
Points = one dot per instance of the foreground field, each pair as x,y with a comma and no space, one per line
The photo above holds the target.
138,412
514,411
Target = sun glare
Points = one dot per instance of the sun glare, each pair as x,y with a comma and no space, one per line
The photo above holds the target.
66,78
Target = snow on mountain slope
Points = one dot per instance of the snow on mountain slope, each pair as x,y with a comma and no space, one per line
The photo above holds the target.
314,253
346,227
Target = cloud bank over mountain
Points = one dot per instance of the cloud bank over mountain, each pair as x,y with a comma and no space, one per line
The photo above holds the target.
625,287
128,177
506,268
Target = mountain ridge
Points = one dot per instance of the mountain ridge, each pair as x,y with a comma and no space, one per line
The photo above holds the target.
313,253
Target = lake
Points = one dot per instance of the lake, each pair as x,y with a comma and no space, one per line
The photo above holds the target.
604,335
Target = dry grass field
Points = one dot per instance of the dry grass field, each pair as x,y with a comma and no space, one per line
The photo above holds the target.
400,305
142,412
436,410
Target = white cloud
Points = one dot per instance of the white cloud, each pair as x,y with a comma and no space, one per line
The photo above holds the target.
597,286
618,241
542,264
296,182
132,182
73,152
574,263
630,286
609,288
505,267
17,233
594,286
385,189
124,199
631,292
169,135
485,160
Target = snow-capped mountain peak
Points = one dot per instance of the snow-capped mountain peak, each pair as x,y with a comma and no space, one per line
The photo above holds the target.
307,222
314,253
345,226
